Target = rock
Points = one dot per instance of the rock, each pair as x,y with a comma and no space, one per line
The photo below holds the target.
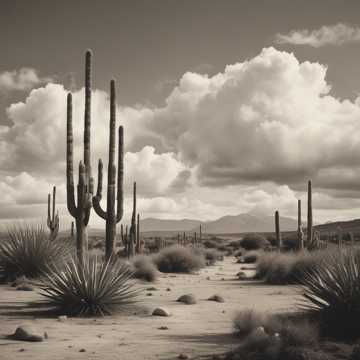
82,350
216,298
168,289
149,294
160,312
183,357
25,287
152,288
242,276
26,333
163,328
62,318
188,299
19,281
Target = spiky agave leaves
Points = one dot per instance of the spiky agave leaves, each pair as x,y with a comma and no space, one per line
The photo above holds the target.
332,292
93,287
28,251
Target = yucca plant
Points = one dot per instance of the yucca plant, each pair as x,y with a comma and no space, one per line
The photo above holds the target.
332,293
93,287
28,251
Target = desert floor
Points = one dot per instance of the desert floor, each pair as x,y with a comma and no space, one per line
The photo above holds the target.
195,330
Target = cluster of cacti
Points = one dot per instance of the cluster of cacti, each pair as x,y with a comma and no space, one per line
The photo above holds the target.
85,188
277,230
52,218
160,243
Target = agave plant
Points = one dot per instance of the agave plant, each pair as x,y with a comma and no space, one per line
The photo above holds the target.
332,292
93,287
28,251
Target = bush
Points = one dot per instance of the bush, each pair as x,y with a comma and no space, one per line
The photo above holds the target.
94,288
332,293
251,257
212,256
210,244
253,242
282,269
143,268
269,337
28,252
177,259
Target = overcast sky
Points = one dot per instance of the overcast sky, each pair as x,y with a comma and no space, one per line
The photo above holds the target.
228,106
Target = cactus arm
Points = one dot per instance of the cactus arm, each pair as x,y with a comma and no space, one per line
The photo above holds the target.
97,198
70,161
120,179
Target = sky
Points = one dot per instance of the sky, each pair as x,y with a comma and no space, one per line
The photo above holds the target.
228,106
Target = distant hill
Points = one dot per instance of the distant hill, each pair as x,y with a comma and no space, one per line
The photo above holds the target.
346,226
225,225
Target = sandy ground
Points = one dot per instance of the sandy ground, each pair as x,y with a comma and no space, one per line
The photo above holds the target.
203,328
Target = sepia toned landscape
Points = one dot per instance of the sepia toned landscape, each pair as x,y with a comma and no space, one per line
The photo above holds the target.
180,181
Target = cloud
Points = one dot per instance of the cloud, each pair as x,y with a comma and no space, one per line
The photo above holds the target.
327,35
20,80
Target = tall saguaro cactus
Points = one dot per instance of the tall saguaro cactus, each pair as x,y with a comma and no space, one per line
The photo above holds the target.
309,238
277,230
132,234
300,231
110,216
85,188
138,241
52,218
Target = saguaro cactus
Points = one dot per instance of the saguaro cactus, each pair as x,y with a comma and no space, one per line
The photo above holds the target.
138,240
299,230
85,187
200,233
72,233
277,230
132,239
52,218
110,216
309,237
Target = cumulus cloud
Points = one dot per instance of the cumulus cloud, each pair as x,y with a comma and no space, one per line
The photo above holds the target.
326,35
20,80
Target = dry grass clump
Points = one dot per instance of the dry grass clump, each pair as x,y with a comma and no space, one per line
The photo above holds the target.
286,268
28,252
94,287
253,242
177,259
332,293
269,337
143,268
212,256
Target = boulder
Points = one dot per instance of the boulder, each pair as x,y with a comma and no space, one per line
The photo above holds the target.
26,333
160,312
188,299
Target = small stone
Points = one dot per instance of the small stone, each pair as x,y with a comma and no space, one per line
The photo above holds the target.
152,288
25,287
168,289
46,336
183,357
149,294
26,333
62,318
216,298
208,278
242,276
188,299
82,350
160,312
21,350
163,328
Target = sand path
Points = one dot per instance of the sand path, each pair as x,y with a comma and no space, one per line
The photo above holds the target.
195,330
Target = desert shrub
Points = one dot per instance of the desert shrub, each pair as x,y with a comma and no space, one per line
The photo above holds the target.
253,242
212,256
239,253
143,268
28,251
178,259
270,337
251,257
290,241
210,244
332,293
235,244
92,288
282,269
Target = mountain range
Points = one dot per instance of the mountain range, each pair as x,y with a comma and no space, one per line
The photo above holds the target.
230,224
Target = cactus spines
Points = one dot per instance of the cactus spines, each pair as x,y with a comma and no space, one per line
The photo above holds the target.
277,230
300,231
52,218
85,187
110,216
309,238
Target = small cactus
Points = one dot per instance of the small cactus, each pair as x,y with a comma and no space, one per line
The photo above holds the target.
277,230
52,218
300,230
309,238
